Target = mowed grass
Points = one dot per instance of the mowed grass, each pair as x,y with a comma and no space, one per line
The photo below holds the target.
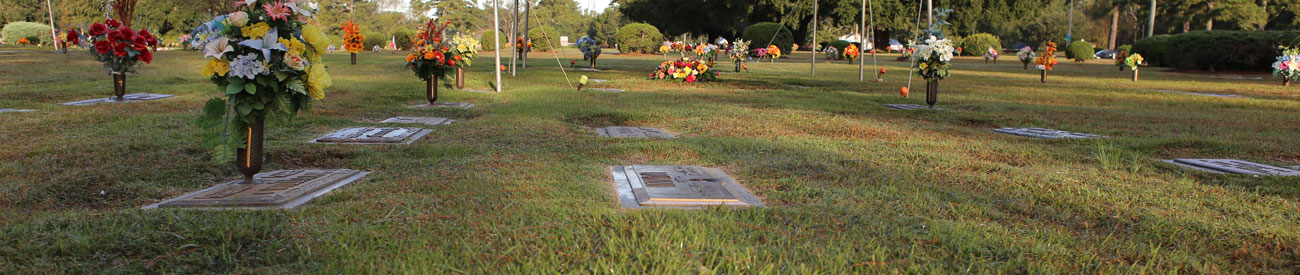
520,185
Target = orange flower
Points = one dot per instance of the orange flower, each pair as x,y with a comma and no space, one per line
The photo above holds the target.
428,55
410,57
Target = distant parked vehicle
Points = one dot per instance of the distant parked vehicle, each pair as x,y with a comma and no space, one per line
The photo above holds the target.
894,46
1105,54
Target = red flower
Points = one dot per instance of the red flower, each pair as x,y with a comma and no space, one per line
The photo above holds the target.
140,43
153,41
451,63
97,29
145,56
113,23
144,33
102,47
126,34
114,36
120,49
73,37
690,79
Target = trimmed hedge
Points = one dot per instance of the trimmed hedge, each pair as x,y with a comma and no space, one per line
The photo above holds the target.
374,38
839,46
759,34
488,43
539,39
405,37
978,44
1216,50
34,32
1080,51
639,38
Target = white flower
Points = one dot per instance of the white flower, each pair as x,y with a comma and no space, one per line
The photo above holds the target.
217,47
247,66
238,19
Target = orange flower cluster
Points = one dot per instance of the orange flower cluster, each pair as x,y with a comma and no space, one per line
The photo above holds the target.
1048,59
353,42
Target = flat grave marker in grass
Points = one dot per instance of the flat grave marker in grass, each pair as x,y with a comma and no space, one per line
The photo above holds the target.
478,91
374,135
16,110
1237,77
678,187
1044,133
283,189
431,121
633,132
1202,94
126,98
462,105
910,107
594,80
608,90
1233,166
588,70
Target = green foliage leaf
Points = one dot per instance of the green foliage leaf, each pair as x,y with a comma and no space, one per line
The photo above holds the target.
251,88
234,88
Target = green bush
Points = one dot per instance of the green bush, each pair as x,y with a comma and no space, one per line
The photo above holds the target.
761,33
539,34
1216,50
979,44
639,38
489,43
405,37
839,46
1124,48
373,39
32,31
1080,51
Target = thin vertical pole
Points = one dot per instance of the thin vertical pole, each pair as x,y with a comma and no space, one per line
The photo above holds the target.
1151,23
1070,32
514,33
862,40
813,48
929,12
496,28
53,34
523,60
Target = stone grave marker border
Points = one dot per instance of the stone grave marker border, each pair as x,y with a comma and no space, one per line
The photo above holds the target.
416,135
911,107
462,105
431,121
633,132
282,189
125,99
671,186
1044,133
1234,166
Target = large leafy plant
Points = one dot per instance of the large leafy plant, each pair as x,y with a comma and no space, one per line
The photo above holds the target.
266,60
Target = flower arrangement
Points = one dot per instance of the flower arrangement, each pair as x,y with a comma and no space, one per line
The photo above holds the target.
24,41
991,53
1026,55
933,58
665,48
706,51
353,41
773,52
590,49
685,69
831,53
1288,65
117,46
433,57
851,52
1133,61
1048,60
740,54
267,60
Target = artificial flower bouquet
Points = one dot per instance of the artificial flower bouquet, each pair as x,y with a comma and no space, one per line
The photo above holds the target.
1026,56
590,49
1048,59
933,58
118,47
831,53
991,53
740,54
852,52
773,52
266,59
433,57
685,69
1288,65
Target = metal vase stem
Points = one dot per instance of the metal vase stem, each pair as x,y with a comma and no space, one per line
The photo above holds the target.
119,85
1043,78
249,159
932,92
431,89
1135,75
460,78
354,58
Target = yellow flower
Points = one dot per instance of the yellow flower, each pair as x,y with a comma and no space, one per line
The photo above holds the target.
294,45
255,30
216,66
925,65
317,80
702,67
316,39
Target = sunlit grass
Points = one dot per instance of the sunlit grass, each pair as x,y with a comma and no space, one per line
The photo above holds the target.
519,184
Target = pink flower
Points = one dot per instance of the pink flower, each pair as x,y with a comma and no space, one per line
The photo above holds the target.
690,79
278,11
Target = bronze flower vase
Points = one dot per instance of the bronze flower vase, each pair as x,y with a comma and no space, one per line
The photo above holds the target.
932,92
1026,66
737,66
431,89
460,78
354,58
249,159
1121,68
119,85
593,63
1286,82
1043,77
1135,75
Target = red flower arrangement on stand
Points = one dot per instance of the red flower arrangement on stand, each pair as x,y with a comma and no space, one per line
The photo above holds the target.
118,47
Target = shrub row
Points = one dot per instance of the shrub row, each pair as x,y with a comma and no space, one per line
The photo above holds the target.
639,38
34,32
1216,50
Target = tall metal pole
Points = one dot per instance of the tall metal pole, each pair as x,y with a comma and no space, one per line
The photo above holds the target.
813,48
523,60
496,28
929,12
862,40
1151,23
53,34
514,34
1069,33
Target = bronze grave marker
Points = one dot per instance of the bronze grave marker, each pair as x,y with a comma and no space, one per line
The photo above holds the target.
374,135
283,189
678,187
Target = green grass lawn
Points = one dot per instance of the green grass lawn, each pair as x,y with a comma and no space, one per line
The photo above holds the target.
519,185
